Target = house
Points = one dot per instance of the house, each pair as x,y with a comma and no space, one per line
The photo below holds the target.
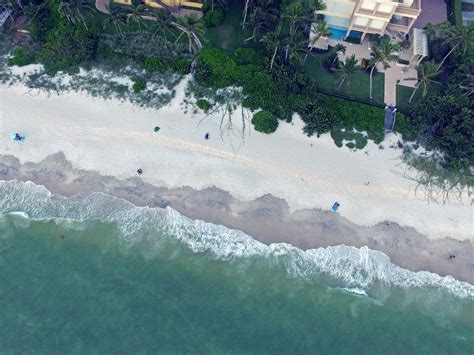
392,17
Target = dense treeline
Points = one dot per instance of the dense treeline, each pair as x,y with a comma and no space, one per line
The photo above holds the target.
446,121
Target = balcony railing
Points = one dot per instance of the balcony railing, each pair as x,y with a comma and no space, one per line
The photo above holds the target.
396,27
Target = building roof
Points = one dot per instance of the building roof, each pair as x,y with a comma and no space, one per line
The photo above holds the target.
432,11
420,42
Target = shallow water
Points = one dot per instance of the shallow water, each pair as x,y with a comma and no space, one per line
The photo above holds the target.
126,279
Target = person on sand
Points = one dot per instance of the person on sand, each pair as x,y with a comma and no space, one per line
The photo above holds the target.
206,136
139,171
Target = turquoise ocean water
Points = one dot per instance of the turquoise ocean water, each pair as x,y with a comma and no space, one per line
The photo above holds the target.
125,279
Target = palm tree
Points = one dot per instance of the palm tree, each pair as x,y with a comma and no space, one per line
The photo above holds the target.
427,71
313,7
248,5
458,36
339,48
383,52
116,18
297,48
273,41
467,85
316,5
220,3
257,22
135,13
162,24
294,13
75,10
319,30
346,70
193,29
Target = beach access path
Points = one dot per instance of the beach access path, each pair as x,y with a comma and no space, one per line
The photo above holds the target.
116,138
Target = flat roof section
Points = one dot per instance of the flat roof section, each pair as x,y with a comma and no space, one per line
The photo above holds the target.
432,11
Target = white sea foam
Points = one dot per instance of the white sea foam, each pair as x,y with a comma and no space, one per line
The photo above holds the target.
355,268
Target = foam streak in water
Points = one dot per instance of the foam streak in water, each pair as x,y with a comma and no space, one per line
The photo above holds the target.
359,268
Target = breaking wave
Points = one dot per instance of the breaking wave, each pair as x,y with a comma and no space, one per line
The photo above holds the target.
362,269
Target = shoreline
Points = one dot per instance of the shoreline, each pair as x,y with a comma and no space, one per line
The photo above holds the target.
267,219
276,188
116,138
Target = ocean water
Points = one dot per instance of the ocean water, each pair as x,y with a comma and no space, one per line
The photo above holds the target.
96,274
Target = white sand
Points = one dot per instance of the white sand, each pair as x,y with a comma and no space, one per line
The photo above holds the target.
116,138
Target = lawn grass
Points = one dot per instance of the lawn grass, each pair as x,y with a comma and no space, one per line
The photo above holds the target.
357,89
229,35
404,93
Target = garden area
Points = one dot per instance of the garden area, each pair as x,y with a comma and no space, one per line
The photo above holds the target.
357,88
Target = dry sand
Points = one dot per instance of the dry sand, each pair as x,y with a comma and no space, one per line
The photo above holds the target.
279,186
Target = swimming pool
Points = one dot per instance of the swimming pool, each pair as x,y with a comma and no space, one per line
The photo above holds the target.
338,33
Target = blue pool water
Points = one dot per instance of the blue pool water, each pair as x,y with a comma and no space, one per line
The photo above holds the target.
338,33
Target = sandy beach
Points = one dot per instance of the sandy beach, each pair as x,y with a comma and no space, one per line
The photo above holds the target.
275,187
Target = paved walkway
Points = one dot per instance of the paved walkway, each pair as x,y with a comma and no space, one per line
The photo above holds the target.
397,75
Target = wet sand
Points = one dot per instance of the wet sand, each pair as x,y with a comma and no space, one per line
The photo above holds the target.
268,219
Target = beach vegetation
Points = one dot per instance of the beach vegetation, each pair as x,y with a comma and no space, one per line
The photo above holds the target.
440,118
68,45
22,56
75,11
203,104
154,64
139,85
265,122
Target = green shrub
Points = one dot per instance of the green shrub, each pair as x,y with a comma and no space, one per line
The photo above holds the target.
203,104
154,64
338,136
404,126
180,65
318,118
214,17
139,85
68,45
215,68
247,56
42,19
22,56
350,145
361,141
265,122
